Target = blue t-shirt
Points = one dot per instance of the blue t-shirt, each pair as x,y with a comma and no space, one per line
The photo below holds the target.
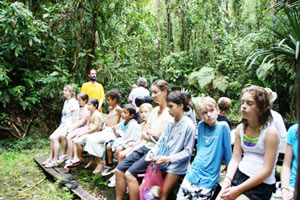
213,145
292,140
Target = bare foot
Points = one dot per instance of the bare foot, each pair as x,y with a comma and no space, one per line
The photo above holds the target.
99,168
91,162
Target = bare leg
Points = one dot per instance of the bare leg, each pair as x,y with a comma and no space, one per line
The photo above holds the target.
99,166
53,137
55,149
118,151
91,162
169,181
133,186
51,150
121,184
109,154
54,144
70,145
77,153
64,144
122,155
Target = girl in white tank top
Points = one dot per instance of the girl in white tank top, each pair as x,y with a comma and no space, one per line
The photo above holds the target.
251,171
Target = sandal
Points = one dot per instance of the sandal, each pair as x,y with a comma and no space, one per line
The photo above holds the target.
47,161
51,164
73,164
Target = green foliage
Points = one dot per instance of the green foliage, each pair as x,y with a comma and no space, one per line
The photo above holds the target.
19,174
284,56
199,46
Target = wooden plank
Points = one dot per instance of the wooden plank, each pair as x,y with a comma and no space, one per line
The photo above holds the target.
60,174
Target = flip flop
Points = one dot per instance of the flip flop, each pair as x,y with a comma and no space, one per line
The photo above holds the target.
74,164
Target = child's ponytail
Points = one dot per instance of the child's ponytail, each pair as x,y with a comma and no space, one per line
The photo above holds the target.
132,110
179,98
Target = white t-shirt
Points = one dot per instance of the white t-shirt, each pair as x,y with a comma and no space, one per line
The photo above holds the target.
136,92
278,123
157,120
69,106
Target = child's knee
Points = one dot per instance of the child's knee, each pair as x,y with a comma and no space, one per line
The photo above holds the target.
108,147
53,137
119,173
129,177
119,150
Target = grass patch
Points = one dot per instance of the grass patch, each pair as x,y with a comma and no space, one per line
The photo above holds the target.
19,175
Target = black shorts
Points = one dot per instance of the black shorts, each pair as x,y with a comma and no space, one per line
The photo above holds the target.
262,191
135,163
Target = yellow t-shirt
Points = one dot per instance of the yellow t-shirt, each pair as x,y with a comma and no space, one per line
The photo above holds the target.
94,91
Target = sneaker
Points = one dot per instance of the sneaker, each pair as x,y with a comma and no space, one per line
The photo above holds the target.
112,181
108,171
62,158
68,162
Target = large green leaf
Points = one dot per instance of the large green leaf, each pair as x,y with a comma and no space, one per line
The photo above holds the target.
220,83
203,77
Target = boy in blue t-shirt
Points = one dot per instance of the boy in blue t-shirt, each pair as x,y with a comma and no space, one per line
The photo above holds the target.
213,145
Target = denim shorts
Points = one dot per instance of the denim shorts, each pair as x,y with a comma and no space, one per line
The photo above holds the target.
135,163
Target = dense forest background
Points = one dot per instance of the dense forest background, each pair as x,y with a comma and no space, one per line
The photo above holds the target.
205,47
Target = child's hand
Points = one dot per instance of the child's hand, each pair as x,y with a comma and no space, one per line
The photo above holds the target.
163,160
226,183
286,195
149,157
230,193
114,128
131,144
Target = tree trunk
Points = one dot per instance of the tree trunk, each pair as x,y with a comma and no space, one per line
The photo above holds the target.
170,34
182,44
158,34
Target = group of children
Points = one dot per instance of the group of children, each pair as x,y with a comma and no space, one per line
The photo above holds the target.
171,126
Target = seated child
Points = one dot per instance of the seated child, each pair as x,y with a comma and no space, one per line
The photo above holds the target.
191,113
224,104
289,167
251,171
180,138
144,113
128,131
75,128
213,145
69,116
94,124
96,143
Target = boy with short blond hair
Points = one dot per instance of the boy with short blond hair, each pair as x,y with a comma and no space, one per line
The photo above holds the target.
213,145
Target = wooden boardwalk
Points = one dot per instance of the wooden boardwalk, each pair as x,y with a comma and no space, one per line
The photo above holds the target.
60,174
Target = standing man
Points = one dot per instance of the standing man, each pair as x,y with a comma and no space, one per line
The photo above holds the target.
140,91
94,89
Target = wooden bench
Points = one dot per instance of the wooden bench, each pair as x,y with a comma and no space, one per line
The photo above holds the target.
59,174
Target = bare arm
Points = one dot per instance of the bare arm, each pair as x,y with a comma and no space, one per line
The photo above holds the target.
285,174
157,132
92,127
100,103
82,121
145,135
235,159
74,116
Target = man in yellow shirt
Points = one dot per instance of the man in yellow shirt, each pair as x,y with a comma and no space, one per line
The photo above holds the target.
94,89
